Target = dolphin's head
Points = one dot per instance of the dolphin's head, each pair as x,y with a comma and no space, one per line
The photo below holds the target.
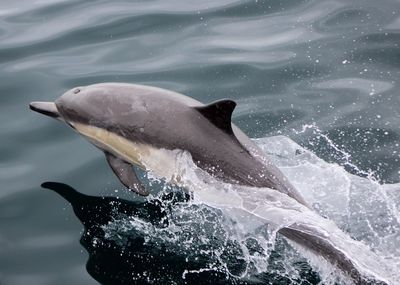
105,105
84,104
67,108
78,105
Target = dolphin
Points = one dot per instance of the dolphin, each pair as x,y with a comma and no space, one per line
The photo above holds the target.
142,126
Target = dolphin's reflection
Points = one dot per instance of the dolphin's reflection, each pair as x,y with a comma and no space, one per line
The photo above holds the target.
131,242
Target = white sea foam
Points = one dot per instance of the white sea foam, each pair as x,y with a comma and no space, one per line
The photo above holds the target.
362,215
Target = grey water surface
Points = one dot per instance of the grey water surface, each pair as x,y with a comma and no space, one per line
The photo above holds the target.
324,73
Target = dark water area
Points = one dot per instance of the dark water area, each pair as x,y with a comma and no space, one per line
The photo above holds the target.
324,73
130,257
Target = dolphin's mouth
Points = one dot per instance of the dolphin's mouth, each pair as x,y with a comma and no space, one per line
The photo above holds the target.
46,108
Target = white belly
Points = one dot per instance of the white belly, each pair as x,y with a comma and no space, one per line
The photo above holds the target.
161,162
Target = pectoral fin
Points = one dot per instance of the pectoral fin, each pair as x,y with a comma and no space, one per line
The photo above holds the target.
126,174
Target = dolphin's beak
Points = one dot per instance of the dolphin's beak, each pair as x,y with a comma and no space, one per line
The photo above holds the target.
46,108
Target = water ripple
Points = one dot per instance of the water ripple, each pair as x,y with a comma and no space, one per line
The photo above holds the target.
330,64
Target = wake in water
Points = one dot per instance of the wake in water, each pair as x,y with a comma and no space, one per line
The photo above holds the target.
228,234
361,207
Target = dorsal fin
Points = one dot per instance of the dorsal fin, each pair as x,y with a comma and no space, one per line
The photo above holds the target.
219,113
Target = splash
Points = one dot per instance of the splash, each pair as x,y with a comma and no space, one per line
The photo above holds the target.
344,156
234,229
361,207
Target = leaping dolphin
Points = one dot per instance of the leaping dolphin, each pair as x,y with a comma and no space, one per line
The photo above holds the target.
144,126
140,125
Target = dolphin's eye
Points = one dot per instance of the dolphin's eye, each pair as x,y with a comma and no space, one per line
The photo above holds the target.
77,90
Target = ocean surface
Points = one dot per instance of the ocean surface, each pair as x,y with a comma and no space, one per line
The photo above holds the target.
317,86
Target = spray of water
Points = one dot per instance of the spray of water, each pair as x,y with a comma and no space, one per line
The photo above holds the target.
235,228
